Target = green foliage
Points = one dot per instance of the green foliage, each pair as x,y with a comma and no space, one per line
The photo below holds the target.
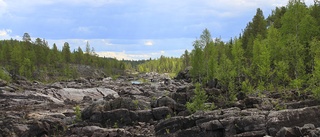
115,125
246,87
279,53
198,101
77,111
167,131
168,116
115,77
161,65
4,76
36,61
136,103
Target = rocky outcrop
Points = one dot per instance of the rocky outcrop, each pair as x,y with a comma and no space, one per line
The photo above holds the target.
292,117
308,130
120,108
249,122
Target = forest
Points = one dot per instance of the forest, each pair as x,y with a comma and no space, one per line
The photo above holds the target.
37,61
276,53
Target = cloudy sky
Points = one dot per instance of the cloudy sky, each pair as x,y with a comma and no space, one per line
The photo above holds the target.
129,29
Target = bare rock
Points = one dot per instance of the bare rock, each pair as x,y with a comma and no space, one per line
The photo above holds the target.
292,117
3,83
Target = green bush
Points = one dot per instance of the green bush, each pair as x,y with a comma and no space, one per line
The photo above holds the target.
4,76
77,111
199,100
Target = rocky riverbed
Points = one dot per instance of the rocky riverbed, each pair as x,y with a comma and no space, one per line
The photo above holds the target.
121,107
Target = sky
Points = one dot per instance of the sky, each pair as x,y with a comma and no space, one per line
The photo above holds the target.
129,29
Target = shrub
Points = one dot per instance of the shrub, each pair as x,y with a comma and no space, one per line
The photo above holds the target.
198,101
4,76
77,111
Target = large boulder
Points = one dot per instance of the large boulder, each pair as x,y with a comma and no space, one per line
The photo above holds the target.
174,124
118,118
292,117
168,102
185,75
161,113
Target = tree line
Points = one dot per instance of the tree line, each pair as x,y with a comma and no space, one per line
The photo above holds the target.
161,65
37,61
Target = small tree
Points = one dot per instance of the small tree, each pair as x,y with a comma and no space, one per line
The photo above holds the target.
26,37
198,101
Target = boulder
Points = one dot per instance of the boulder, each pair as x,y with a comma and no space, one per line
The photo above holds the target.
3,83
86,99
185,75
161,113
292,117
94,108
250,123
179,97
289,132
78,94
168,102
118,118
174,124
144,115
252,102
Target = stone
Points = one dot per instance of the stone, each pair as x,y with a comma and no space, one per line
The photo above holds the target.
250,123
3,83
289,117
250,102
161,113
87,99
173,125
118,117
289,132
144,115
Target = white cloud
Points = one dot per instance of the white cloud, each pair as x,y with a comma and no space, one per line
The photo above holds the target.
5,33
148,43
133,56
122,55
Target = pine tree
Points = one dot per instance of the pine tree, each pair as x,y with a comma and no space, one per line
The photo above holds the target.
258,27
197,62
26,37
66,52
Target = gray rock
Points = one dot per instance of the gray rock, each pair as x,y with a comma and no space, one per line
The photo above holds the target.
174,124
250,123
292,117
3,83
98,131
289,132
144,115
119,117
161,113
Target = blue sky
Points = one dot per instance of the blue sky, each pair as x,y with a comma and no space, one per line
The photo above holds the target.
129,29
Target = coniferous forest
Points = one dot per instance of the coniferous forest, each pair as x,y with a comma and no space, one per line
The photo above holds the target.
37,61
277,53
